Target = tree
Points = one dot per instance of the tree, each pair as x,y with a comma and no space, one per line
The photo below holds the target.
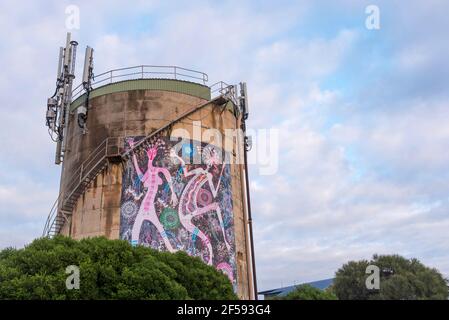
108,269
307,292
400,278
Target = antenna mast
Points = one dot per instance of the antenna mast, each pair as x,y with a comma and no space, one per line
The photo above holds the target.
58,106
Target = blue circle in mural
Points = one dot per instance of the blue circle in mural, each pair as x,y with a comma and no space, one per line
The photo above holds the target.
188,150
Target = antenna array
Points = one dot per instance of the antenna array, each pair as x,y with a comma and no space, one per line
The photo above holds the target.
58,105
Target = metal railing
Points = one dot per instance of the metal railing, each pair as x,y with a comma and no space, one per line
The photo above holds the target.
219,87
143,72
79,180
51,219
222,88
107,148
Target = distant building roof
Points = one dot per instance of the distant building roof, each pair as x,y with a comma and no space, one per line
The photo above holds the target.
320,284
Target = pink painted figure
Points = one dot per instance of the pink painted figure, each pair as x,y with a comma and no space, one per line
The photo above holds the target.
151,180
188,204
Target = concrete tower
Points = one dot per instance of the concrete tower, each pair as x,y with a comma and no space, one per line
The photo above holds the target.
152,156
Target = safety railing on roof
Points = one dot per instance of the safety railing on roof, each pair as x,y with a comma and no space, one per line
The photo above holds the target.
143,72
221,88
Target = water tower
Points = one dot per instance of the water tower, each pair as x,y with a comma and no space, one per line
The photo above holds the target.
155,156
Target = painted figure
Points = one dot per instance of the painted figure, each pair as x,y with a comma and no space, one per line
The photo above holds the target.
151,181
196,200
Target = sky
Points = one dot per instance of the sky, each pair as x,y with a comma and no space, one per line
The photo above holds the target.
362,116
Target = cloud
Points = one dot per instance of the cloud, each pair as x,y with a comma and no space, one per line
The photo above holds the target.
412,139
310,58
24,201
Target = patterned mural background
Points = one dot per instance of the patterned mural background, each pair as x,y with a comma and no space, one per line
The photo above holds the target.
169,204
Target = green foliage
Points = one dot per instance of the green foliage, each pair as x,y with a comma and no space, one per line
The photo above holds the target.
307,292
109,269
192,274
410,280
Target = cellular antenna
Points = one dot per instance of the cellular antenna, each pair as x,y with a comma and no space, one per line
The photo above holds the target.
88,77
60,61
88,67
67,49
244,100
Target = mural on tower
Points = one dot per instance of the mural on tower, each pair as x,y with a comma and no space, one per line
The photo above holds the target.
171,202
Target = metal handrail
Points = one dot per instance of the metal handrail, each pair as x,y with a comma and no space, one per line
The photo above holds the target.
51,217
143,72
97,156
220,87
137,145
73,180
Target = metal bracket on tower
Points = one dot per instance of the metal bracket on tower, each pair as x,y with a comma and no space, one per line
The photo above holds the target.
243,99
230,93
248,143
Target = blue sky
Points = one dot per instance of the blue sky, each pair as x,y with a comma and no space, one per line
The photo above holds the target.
362,116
